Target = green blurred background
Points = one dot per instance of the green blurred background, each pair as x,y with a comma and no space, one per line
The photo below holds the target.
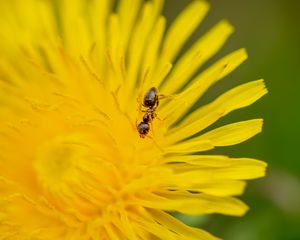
270,31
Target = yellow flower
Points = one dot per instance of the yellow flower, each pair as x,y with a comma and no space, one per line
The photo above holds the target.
73,77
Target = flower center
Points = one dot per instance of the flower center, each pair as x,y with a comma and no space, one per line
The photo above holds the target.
78,174
57,161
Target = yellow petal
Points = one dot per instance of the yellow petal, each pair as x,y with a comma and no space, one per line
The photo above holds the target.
138,43
127,226
128,11
220,188
194,204
41,220
189,147
191,61
71,15
206,204
146,222
153,44
114,38
243,168
229,134
227,64
183,26
112,232
186,130
179,104
176,36
200,160
99,11
236,98
175,225
235,169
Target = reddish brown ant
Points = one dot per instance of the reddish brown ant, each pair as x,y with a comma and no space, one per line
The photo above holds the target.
151,101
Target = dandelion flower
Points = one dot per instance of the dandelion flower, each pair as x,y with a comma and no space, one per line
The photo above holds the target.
73,77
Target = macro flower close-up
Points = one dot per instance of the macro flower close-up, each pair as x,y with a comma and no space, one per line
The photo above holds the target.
100,136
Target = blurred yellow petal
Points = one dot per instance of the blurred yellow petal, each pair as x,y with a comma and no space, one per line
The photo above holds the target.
234,133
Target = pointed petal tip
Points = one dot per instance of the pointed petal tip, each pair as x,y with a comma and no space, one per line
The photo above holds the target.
258,124
227,25
243,53
201,3
263,168
264,84
246,209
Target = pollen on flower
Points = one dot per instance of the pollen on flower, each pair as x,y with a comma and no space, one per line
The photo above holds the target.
72,162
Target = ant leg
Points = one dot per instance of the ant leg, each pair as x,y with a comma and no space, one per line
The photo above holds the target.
156,105
158,118
171,96
153,115
161,96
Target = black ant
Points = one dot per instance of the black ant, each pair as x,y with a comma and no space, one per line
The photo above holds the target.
151,101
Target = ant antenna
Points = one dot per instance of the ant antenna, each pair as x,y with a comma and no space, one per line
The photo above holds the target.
156,144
